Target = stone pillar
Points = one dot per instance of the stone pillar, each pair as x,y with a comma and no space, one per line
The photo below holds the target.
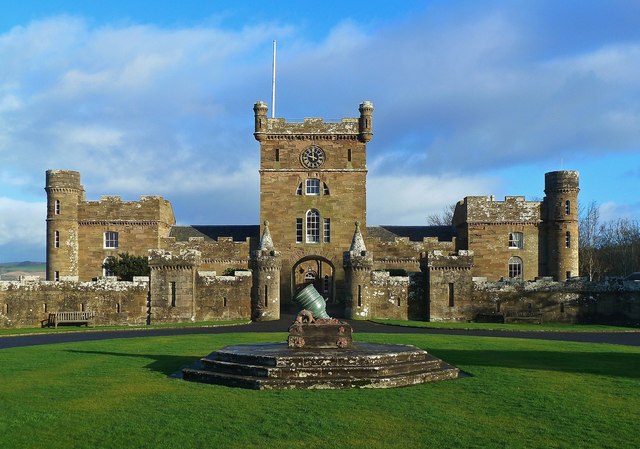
64,194
266,265
358,264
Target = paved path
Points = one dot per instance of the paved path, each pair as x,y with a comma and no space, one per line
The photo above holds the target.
620,338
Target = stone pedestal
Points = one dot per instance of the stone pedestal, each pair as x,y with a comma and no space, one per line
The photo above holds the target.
320,334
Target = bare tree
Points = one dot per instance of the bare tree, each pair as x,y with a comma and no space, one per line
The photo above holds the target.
443,218
589,229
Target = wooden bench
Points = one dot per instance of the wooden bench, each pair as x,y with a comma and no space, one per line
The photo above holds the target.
72,317
523,316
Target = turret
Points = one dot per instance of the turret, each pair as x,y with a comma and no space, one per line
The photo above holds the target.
64,194
266,265
260,113
560,209
365,124
358,263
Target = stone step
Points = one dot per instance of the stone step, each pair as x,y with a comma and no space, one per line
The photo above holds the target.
286,372
259,383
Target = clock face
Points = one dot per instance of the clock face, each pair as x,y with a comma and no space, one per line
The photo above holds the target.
312,157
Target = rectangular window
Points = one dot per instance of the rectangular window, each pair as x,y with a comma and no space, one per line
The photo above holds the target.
298,230
110,239
451,298
359,296
277,154
56,276
568,275
349,154
326,230
567,207
173,294
57,207
313,186
516,240
57,239
567,240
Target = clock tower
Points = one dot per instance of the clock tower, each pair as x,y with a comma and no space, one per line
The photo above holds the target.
313,179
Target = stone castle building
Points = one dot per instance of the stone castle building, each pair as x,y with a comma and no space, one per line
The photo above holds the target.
313,179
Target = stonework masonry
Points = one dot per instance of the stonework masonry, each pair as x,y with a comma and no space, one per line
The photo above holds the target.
509,259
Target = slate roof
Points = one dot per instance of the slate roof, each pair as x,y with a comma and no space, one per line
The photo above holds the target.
415,233
239,233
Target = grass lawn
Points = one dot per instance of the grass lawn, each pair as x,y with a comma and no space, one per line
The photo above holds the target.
520,394
559,327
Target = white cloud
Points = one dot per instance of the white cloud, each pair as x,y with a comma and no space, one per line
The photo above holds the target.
402,200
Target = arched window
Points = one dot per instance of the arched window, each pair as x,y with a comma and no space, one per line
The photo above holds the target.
567,207
110,239
313,186
313,226
515,267
567,240
516,240
107,271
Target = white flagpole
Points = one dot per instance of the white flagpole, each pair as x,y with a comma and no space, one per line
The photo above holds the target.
273,83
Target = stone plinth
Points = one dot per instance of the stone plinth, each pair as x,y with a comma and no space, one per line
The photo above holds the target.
320,334
277,366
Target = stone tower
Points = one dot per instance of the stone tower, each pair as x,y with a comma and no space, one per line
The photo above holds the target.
64,195
560,217
358,263
312,188
265,294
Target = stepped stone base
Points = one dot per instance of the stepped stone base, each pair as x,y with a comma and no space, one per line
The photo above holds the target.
278,366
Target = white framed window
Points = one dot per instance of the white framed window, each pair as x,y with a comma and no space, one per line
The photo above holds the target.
110,239
56,209
516,240
299,230
313,226
326,230
313,186
515,267
567,207
57,239
567,240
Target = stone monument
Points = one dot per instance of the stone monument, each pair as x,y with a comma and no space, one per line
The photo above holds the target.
319,354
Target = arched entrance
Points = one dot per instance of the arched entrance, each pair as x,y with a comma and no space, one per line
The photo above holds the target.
314,270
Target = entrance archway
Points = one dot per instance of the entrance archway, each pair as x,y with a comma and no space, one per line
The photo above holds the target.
315,270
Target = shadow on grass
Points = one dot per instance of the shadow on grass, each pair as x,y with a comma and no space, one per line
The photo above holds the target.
165,364
599,363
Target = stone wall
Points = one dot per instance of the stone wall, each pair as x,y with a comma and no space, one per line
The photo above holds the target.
569,302
449,285
223,297
28,302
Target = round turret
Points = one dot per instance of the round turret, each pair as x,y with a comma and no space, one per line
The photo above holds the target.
561,223
64,194
365,122
260,113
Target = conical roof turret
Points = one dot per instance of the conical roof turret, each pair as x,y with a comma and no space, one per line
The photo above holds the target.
266,242
357,243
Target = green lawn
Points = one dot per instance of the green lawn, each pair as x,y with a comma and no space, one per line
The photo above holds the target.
559,327
520,394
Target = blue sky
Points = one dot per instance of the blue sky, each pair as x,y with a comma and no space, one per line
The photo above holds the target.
471,98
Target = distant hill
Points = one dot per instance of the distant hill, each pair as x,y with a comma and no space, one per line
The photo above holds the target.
23,267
